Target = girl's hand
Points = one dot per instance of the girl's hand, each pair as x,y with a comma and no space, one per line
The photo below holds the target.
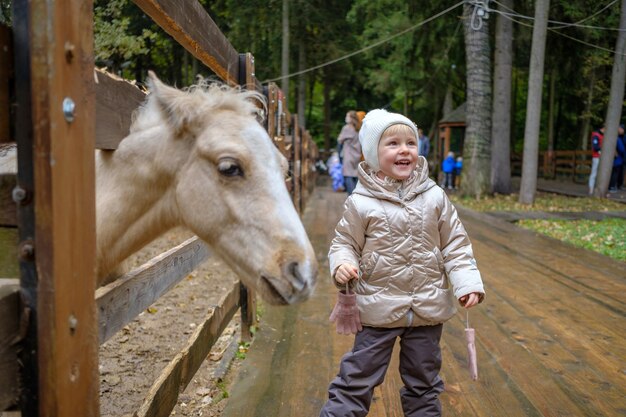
469,300
346,272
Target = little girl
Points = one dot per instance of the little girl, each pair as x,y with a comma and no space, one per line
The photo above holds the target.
404,251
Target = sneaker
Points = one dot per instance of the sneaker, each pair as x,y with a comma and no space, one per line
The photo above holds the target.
612,190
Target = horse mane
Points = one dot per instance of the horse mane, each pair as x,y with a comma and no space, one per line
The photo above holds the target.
198,100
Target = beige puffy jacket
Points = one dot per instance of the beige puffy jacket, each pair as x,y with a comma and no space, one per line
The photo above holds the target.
413,253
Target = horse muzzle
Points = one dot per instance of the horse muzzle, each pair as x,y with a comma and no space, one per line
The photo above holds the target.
296,284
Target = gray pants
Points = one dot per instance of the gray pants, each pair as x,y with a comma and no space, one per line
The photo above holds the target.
594,173
364,368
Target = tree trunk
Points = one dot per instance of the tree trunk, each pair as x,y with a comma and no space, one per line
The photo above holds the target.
301,86
310,98
514,107
326,90
548,165
551,110
586,128
614,112
501,129
528,186
285,53
477,146
448,104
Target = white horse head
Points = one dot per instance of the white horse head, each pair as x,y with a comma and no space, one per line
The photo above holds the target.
198,158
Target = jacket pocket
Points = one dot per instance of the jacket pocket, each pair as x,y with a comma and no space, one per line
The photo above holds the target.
439,258
373,280
442,282
368,264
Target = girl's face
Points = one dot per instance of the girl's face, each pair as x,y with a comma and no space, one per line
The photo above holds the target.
397,152
348,118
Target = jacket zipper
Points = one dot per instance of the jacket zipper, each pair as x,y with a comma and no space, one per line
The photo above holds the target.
409,317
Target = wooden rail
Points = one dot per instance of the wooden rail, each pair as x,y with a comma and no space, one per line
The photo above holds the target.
116,100
163,395
572,164
194,29
122,300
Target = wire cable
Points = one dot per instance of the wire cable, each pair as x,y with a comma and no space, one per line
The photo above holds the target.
586,18
563,24
564,35
367,48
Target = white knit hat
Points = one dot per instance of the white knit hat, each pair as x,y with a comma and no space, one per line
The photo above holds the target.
374,124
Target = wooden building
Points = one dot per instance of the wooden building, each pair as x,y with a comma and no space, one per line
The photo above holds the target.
451,134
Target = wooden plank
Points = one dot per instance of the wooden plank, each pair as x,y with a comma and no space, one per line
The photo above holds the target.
582,381
6,75
248,298
600,278
272,106
193,28
247,79
29,372
9,331
546,288
163,395
67,344
297,165
557,319
116,100
122,300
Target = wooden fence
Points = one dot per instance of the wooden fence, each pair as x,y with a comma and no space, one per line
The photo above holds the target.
574,165
51,319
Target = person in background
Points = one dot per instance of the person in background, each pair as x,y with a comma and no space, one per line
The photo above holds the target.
596,147
458,167
402,247
334,170
360,115
349,139
447,166
424,144
618,162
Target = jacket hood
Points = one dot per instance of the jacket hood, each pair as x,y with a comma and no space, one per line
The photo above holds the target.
391,189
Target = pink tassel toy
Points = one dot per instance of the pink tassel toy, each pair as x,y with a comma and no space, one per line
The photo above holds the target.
346,313
471,350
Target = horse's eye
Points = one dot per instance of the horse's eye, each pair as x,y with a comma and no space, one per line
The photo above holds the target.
229,168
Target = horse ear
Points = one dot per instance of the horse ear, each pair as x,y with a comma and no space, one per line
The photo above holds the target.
168,100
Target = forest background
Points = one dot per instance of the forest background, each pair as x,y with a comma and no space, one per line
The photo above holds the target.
421,72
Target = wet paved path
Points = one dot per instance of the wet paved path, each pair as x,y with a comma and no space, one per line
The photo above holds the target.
551,335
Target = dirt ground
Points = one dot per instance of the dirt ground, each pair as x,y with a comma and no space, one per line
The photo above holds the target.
133,359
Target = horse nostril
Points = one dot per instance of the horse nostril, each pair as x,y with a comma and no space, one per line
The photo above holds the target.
294,271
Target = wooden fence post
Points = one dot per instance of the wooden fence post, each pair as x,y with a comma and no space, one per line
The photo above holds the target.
297,164
247,297
62,340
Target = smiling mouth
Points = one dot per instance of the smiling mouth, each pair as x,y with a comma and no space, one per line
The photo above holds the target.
403,163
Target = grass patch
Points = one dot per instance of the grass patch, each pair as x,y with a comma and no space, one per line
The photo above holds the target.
543,202
605,237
